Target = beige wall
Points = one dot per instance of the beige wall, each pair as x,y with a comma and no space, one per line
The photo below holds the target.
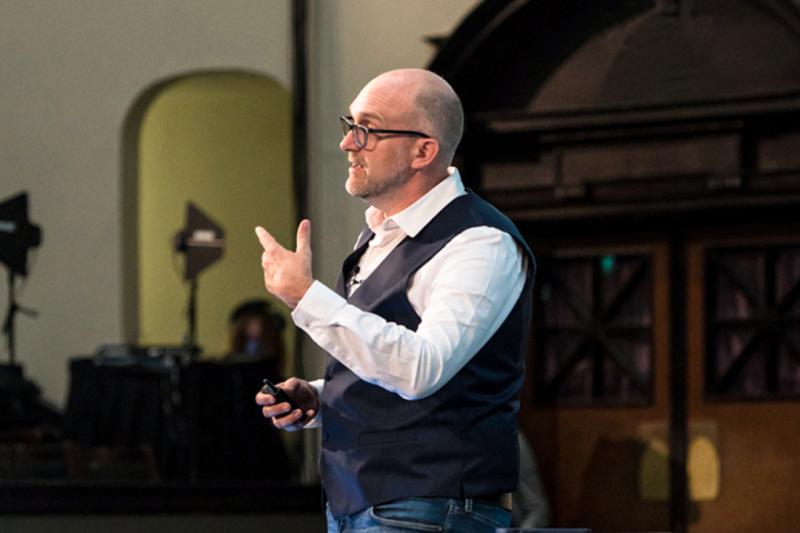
69,72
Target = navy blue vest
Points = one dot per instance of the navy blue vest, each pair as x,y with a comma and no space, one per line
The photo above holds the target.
460,441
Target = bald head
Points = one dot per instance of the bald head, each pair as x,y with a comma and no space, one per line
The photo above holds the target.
432,104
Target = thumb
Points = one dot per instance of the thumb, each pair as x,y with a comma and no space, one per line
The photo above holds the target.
304,237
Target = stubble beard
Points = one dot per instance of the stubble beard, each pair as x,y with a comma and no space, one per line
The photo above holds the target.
368,187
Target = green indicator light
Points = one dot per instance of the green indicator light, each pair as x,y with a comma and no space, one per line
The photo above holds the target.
607,263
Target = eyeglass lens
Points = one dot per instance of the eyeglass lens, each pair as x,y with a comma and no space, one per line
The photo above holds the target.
359,132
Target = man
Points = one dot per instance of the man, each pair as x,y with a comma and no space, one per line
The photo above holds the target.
425,331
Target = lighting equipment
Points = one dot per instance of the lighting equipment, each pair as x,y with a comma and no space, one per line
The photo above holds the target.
202,242
17,236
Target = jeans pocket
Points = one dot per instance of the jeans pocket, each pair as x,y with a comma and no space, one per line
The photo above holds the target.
491,514
402,514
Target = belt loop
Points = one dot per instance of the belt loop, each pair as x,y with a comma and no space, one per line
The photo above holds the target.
468,505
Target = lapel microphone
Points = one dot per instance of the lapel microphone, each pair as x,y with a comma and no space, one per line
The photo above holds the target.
353,281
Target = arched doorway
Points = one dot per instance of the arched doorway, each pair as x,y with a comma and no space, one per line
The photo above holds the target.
221,139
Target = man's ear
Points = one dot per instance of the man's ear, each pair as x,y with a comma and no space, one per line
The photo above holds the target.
425,152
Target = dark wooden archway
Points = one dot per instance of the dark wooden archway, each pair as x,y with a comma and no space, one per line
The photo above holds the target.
627,123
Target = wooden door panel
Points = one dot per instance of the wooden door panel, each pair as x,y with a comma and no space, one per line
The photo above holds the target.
591,452
758,435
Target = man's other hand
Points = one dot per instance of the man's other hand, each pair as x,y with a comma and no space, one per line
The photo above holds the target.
282,415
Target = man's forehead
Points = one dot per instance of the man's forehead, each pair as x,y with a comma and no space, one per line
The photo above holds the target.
380,102
360,116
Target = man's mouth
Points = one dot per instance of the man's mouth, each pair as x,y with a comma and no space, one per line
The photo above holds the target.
355,165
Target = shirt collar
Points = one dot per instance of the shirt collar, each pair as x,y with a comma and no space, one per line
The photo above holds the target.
413,218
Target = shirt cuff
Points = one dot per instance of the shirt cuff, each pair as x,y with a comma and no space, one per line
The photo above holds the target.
318,304
316,422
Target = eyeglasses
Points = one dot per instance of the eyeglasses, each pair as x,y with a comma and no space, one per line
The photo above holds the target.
361,133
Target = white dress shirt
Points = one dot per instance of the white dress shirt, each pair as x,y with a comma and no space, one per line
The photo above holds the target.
462,295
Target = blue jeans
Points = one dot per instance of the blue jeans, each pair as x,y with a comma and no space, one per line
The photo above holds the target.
424,514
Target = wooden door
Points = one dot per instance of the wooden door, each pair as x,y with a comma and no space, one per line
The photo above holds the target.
743,336
603,442
596,407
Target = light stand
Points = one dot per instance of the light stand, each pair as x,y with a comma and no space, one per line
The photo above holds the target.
17,237
190,337
202,242
20,404
8,323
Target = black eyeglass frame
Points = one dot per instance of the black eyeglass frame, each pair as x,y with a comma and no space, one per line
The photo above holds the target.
348,125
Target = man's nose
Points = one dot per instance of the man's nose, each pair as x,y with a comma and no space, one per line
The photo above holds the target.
348,144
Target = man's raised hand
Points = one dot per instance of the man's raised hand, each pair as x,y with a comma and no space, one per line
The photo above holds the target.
287,274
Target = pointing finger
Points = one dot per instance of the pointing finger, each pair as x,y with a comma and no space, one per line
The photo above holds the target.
266,240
